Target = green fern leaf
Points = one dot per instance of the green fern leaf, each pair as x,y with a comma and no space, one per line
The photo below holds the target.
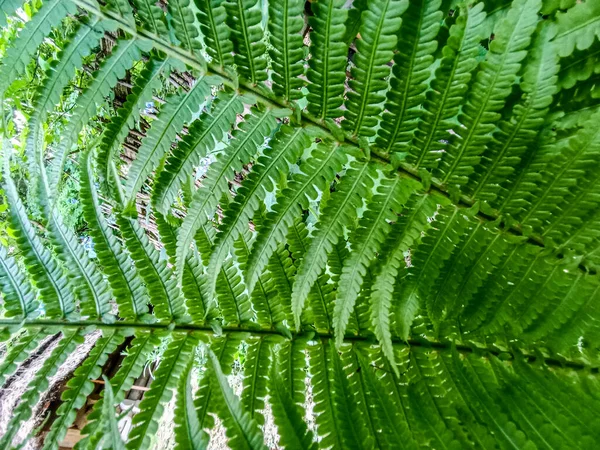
244,19
17,292
256,373
216,33
285,148
182,20
287,53
46,274
365,242
410,72
123,9
20,351
491,87
151,16
246,139
242,430
577,28
288,416
327,66
126,116
406,232
18,55
175,113
171,368
164,294
188,432
516,136
316,172
114,67
451,80
379,27
79,387
339,210
130,295
202,137
112,435
39,384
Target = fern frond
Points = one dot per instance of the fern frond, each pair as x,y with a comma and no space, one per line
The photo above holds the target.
341,209
327,66
7,9
184,27
193,286
243,431
265,298
405,233
17,292
448,87
131,367
256,373
177,111
164,294
317,171
20,351
288,416
39,384
126,116
225,348
321,297
577,28
105,78
202,137
188,431
212,17
287,51
246,139
426,261
81,44
112,436
378,31
19,54
575,164
123,9
410,73
517,135
492,85
285,148
131,296
79,387
151,16
47,276
244,19
171,368
366,241
390,414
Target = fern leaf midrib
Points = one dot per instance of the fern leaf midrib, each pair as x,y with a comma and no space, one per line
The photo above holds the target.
211,20
163,386
81,268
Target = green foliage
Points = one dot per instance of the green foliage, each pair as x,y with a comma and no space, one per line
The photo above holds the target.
387,209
